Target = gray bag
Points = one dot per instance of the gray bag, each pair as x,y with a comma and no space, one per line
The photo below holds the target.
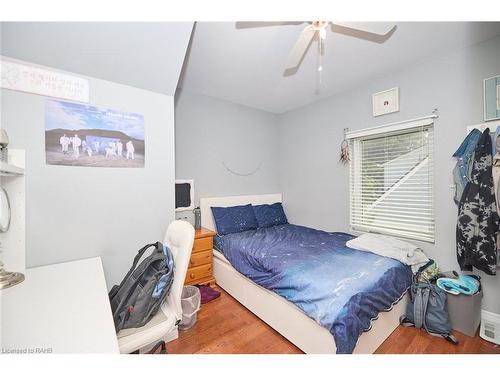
140,294
428,309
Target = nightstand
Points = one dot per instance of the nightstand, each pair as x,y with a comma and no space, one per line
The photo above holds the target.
200,268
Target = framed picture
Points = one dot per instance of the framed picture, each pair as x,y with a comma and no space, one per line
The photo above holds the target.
83,135
491,98
385,102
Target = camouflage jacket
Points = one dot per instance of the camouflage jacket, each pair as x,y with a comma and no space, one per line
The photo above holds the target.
478,221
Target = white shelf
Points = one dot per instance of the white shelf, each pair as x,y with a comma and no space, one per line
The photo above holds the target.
7,169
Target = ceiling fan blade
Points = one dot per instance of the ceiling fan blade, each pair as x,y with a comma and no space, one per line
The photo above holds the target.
378,28
299,49
252,24
362,34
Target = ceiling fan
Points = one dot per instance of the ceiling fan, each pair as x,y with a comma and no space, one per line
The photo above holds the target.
377,32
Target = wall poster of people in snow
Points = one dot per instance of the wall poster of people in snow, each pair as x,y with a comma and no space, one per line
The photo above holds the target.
83,135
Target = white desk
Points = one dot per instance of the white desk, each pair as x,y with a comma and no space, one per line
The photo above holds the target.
63,307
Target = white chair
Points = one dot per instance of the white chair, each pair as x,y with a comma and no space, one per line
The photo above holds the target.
163,326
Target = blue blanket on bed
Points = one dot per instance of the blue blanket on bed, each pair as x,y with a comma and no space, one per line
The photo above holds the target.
340,288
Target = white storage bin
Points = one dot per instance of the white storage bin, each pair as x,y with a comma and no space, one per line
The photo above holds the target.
490,327
190,302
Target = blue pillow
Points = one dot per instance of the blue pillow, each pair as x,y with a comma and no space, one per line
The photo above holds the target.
234,219
269,215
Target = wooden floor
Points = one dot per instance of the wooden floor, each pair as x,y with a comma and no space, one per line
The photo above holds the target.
225,326
408,340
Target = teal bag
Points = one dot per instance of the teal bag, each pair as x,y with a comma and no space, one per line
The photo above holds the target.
428,309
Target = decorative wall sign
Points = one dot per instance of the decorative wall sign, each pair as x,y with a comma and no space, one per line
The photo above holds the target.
35,80
385,102
492,98
78,134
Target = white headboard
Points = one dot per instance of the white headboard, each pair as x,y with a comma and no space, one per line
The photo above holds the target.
207,220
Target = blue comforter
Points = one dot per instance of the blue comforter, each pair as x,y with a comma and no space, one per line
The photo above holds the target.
340,288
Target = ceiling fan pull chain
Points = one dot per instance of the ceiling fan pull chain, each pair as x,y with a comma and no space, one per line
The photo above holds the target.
320,59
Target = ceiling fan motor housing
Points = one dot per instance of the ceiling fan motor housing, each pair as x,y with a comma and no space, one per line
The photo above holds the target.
318,25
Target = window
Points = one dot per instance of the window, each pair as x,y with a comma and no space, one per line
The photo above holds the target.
391,180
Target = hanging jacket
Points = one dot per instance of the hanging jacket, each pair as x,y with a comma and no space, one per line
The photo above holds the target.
478,220
496,143
496,184
462,170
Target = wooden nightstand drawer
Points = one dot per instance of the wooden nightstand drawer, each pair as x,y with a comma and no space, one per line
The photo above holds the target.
201,244
200,265
200,258
200,272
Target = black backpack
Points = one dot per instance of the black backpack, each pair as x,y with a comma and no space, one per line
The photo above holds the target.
142,291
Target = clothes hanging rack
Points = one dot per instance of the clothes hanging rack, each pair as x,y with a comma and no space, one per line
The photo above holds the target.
493,125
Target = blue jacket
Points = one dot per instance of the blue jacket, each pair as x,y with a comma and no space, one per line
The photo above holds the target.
462,170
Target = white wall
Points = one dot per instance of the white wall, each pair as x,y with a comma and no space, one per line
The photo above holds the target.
211,131
315,184
81,212
146,55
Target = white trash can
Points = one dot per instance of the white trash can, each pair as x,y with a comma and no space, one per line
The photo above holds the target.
190,302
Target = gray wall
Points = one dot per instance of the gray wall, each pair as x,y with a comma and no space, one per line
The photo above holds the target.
211,131
315,184
81,212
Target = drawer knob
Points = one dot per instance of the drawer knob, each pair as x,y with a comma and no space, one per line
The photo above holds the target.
191,275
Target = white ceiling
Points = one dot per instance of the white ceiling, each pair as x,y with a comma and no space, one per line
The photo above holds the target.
246,65
144,55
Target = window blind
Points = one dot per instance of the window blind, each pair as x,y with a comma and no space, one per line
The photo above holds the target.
391,183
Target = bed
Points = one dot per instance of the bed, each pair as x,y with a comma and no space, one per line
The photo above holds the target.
284,316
